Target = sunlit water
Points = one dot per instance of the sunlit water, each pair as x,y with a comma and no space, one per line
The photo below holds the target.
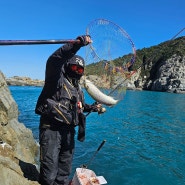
144,133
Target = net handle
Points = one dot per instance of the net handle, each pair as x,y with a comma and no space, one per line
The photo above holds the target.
32,42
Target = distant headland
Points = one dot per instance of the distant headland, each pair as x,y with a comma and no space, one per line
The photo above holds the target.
24,81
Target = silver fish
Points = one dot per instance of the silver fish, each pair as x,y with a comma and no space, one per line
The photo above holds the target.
97,95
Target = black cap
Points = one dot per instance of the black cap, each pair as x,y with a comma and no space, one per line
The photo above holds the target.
78,60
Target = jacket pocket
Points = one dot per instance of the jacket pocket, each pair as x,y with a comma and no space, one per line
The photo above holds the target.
63,111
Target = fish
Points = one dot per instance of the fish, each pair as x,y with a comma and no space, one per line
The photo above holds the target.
97,95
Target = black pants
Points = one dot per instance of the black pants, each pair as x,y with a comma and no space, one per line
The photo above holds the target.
56,154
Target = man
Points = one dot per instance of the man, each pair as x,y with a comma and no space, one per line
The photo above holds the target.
61,106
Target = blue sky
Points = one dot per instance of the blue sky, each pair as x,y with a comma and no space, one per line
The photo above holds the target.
147,22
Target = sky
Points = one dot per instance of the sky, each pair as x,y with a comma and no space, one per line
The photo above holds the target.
147,22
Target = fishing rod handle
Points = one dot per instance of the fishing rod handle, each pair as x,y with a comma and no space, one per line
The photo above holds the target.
103,142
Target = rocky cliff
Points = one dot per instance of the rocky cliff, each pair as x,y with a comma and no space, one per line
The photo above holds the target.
167,75
18,149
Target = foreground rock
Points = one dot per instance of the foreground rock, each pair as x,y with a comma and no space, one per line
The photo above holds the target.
18,149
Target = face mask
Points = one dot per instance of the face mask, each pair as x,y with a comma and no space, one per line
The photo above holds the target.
77,69
74,71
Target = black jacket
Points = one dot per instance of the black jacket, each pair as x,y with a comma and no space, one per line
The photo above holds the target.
54,90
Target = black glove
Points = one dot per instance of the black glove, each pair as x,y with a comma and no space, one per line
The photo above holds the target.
99,109
83,41
94,107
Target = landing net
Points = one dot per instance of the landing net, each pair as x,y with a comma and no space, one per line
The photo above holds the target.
109,58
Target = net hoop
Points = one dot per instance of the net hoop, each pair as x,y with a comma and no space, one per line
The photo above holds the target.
111,53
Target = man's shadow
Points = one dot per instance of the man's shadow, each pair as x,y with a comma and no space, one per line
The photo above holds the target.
29,170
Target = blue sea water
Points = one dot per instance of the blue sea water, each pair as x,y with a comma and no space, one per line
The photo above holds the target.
144,133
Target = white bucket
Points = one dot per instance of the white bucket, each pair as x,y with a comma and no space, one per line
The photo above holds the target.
85,176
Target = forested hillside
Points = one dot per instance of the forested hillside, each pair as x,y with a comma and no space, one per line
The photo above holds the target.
146,57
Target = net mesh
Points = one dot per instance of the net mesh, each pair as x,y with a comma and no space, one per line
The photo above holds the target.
109,58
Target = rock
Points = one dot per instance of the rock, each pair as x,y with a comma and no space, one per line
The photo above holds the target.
169,76
99,82
24,81
18,149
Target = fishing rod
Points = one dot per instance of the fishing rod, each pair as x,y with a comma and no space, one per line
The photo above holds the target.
153,55
32,42
177,33
90,161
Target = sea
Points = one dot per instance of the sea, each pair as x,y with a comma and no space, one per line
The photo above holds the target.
144,137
